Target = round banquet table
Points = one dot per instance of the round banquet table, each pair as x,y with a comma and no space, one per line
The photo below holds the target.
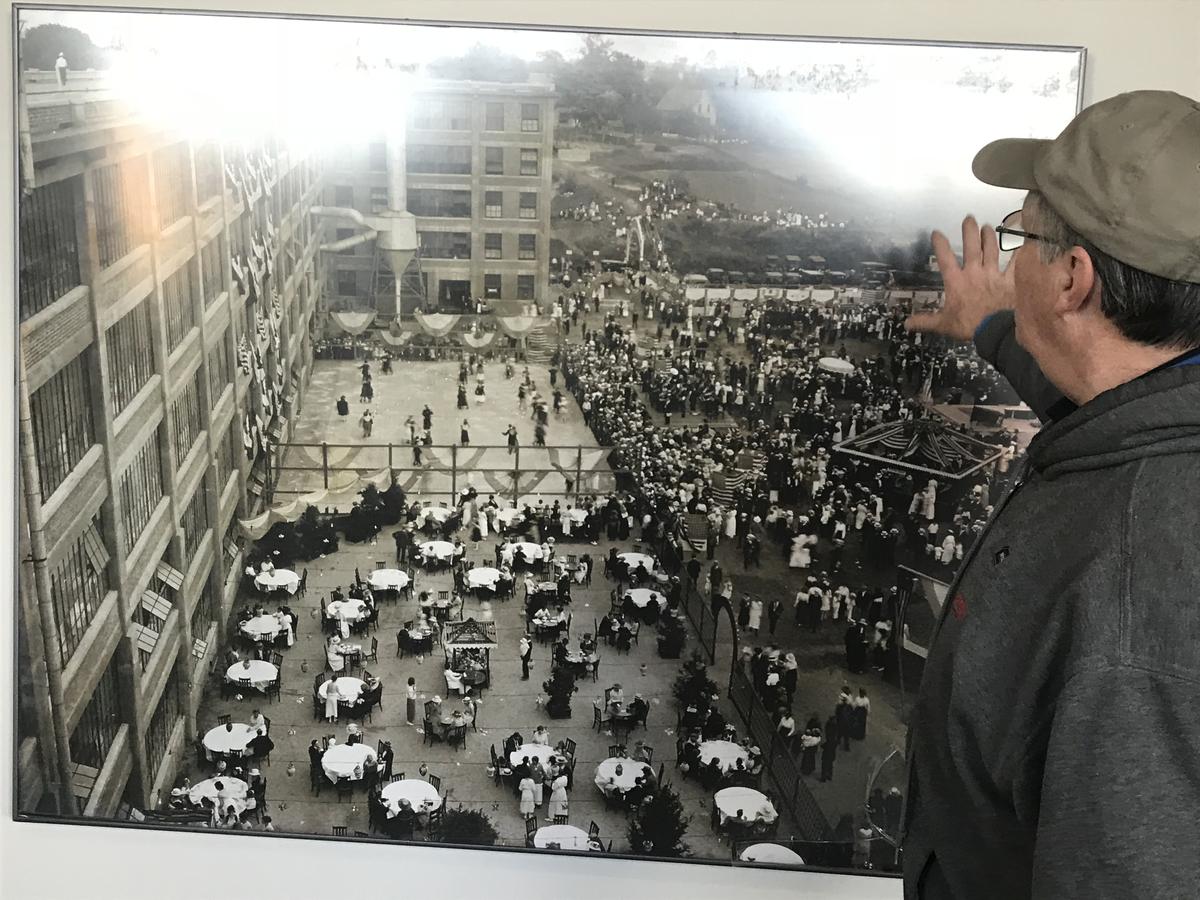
729,800
835,365
541,752
340,759
578,516
387,580
545,587
632,559
436,549
641,597
261,628
726,752
348,686
771,853
483,576
235,788
261,673
439,513
631,770
510,517
228,740
532,552
351,610
420,794
568,837
279,580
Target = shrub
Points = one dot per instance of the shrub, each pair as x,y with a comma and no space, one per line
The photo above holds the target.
658,825
468,826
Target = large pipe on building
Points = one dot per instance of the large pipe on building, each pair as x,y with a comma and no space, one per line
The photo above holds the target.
45,596
353,241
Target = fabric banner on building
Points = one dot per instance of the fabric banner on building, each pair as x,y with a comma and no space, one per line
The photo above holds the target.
852,293
396,340
517,326
745,294
479,341
343,491
823,295
564,459
695,293
722,293
797,294
770,293
737,310
436,324
352,323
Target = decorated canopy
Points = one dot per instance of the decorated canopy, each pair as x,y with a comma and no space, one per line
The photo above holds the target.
469,635
923,445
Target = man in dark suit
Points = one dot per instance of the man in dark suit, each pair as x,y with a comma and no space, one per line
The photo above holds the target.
260,745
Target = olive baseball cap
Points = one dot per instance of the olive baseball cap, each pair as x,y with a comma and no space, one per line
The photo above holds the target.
1125,174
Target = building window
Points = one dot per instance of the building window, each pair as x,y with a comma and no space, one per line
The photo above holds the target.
441,203
95,731
49,251
529,161
528,204
531,117
202,619
493,204
212,270
446,115
491,286
494,117
218,368
172,183
231,546
140,490
186,419
209,177
445,244
439,159
130,355
493,160
122,197
195,522
525,290
343,195
162,723
78,586
347,283
62,422
493,245
227,460
342,234
379,199
178,306
527,246
377,156
154,608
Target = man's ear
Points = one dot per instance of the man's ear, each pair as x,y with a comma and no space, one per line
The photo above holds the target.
1076,281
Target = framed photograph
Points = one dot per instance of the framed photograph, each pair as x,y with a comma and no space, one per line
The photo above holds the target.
500,437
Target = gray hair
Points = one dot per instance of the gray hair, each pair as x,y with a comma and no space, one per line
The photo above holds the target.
1145,308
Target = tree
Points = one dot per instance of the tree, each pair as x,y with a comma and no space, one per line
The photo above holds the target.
692,685
468,826
658,825
41,45
481,63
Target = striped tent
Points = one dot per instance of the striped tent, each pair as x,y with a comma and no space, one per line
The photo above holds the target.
922,445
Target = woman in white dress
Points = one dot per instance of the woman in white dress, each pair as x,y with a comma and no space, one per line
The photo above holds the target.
756,609
801,558
332,695
731,523
558,798
526,788
333,655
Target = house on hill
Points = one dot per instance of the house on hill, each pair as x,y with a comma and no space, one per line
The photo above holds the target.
696,101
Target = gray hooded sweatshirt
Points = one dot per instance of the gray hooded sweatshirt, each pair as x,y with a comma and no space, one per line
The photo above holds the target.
1054,750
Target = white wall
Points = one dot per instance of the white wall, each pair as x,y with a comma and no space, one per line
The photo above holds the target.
1131,44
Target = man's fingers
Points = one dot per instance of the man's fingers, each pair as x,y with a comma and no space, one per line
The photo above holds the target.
947,261
972,249
991,248
925,321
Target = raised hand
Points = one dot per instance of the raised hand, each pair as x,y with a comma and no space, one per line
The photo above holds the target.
973,290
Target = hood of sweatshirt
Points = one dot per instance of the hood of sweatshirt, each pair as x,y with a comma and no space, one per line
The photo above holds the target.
1154,415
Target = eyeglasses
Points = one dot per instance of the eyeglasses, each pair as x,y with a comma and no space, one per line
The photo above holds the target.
1011,237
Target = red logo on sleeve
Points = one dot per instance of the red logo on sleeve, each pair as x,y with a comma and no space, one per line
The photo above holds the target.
959,607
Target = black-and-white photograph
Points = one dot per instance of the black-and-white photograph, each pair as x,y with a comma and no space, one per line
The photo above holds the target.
383,384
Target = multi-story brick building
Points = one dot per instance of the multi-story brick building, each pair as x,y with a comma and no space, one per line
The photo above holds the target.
478,180
166,300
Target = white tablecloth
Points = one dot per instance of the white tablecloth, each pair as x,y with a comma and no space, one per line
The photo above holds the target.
578,516
631,769
726,752
748,800
568,837
261,627
421,794
641,597
387,580
348,686
350,610
534,751
632,559
261,673
483,576
532,552
510,517
235,790
436,549
437,513
279,580
340,759
228,740
771,853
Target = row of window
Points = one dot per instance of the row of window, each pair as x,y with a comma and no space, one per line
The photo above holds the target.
178,305
443,203
165,715
455,159
62,418
347,284
457,245
187,418
141,488
455,115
